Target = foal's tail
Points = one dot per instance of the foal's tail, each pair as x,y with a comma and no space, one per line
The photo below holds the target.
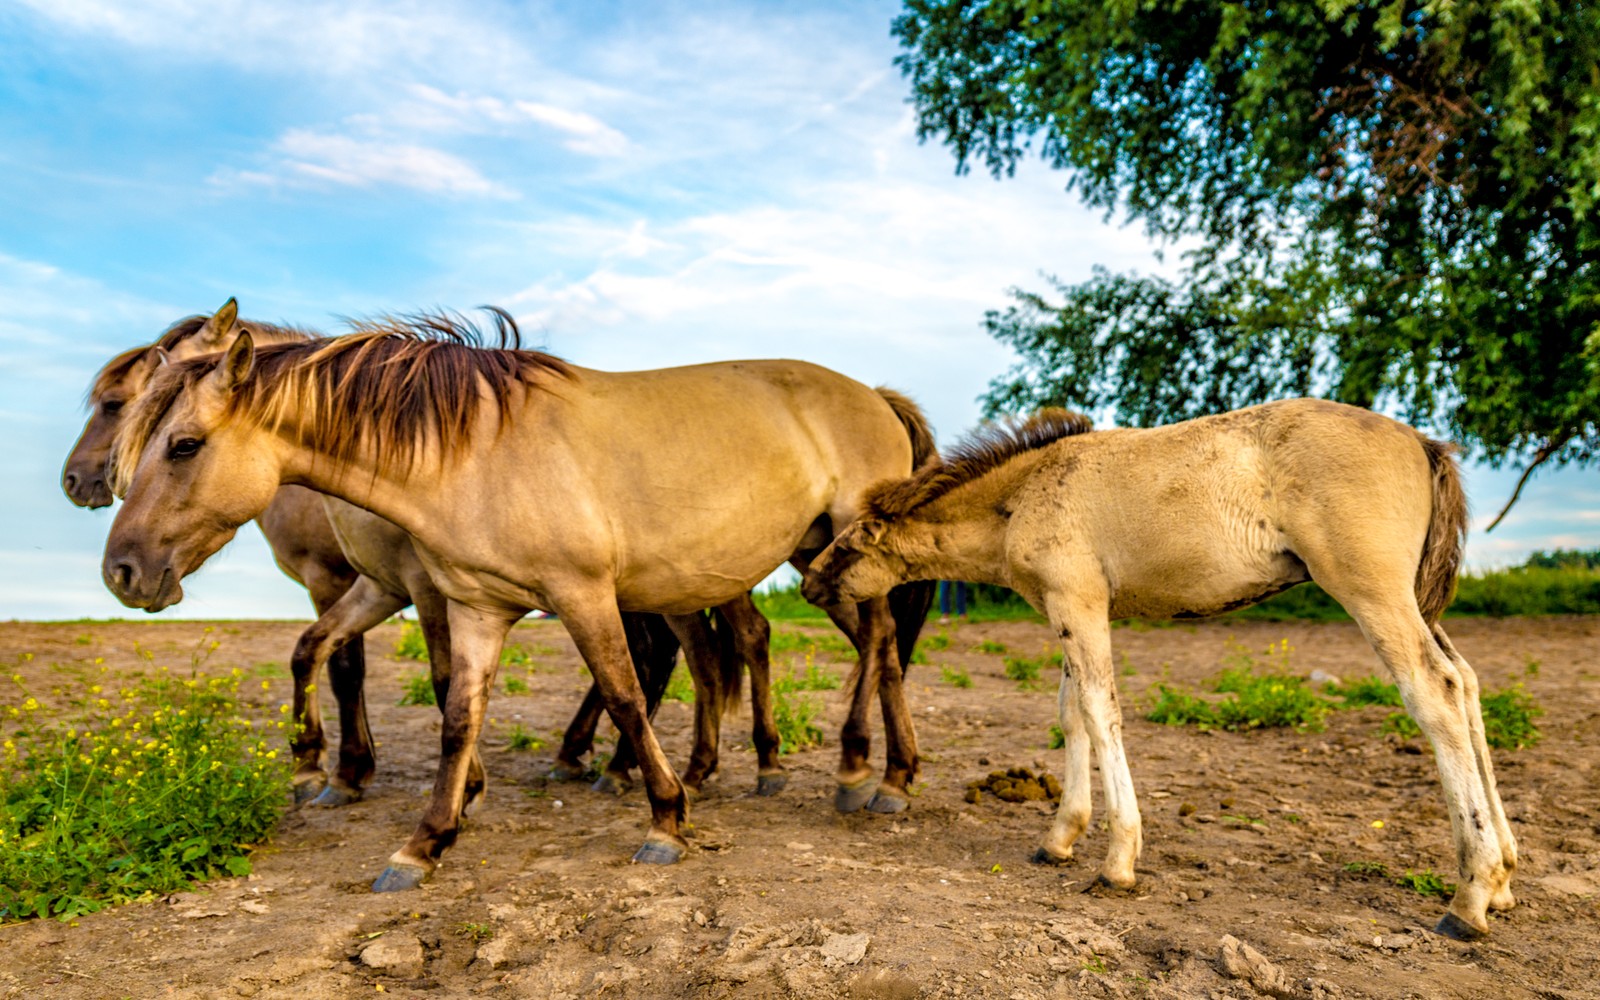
910,602
923,450
1447,530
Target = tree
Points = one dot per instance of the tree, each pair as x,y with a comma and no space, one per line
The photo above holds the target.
1390,203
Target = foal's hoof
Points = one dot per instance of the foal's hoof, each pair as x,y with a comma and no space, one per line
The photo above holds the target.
1105,888
850,798
562,771
1452,926
771,784
399,878
1044,857
886,802
657,852
307,790
333,797
611,784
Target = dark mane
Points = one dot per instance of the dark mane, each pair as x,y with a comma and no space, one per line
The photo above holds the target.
118,367
986,449
392,386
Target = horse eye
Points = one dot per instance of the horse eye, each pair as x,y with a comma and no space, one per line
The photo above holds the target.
111,406
184,448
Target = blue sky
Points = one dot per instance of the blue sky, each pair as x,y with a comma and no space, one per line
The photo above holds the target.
641,184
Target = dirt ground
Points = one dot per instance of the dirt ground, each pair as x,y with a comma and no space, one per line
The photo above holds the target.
1246,836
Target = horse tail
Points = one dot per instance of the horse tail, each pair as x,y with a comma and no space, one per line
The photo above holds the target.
1447,530
923,449
730,665
654,649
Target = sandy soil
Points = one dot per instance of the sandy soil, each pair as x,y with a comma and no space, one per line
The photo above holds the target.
1246,836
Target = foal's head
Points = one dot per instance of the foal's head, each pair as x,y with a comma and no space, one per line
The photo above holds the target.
191,471
118,385
904,524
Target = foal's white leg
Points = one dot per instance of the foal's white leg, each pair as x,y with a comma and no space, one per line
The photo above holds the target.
1086,639
1433,690
1072,818
1502,898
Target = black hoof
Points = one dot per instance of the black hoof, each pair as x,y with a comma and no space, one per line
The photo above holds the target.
771,784
305,791
849,799
656,852
886,802
1452,926
1044,857
333,797
562,771
610,784
399,878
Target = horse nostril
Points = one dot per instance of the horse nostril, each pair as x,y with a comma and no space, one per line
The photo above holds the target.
122,576
70,481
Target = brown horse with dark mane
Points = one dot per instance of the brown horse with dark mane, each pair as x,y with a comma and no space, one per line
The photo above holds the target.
526,483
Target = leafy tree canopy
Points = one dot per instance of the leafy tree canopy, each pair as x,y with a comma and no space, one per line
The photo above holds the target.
1390,203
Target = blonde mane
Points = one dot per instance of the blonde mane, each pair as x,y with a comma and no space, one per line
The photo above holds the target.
388,388
986,449
117,369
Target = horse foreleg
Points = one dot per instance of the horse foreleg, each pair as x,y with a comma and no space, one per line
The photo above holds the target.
476,637
579,737
433,617
899,732
596,628
1072,817
654,649
364,605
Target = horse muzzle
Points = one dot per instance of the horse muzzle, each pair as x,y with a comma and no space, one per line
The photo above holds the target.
86,488
150,588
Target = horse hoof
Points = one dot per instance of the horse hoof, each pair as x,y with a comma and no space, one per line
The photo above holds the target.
399,878
1452,926
886,802
609,784
656,852
333,797
1503,901
1104,887
850,798
306,791
771,784
562,771
1044,857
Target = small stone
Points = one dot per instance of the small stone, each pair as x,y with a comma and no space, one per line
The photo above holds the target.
398,954
799,846
251,906
844,949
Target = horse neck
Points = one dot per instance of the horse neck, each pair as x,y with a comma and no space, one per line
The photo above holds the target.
961,535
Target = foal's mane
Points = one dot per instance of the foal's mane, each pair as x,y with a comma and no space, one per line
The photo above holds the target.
984,450
118,367
391,386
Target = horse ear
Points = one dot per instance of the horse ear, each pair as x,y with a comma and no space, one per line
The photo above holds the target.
874,529
161,358
236,364
217,330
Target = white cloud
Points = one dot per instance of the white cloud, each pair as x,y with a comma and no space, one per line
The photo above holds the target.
585,133
303,156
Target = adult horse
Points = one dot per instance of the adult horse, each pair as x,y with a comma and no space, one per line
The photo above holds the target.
524,482
1196,519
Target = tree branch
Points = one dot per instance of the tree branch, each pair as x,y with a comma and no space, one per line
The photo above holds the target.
1540,457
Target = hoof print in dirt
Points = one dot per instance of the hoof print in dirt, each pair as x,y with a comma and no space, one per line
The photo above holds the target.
1044,857
399,878
1017,784
887,804
850,798
771,784
1452,926
656,853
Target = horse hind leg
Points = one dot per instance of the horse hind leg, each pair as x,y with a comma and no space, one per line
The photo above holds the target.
1072,816
700,652
752,636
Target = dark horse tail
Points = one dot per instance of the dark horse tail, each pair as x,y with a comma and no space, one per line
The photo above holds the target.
1447,529
730,663
910,602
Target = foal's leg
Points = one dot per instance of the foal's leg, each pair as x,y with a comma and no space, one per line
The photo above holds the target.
899,734
1433,689
476,636
1503,898
753,638
363,605
1072,818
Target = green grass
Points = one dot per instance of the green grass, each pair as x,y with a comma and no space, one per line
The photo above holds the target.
1364,691
784,604
516,685
411,645
680,686
990,646
1508,716
133,792
416,689
955,677
936,643
1058,739
795,715
523,739
813,678
1025,670
1260,696
832,644
1426,883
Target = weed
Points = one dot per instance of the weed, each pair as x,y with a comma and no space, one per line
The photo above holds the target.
989,646
789,641
1531,667
955,677
1173,707
514,655
813,679
1096,965
1128,669
1508,716
412,645
1364,691
1025,671
1375,869
417,689
938,642
143,790
523,739
516,685
477,932
1426,883
84,639
1272,699
795,714
680,687
1058,739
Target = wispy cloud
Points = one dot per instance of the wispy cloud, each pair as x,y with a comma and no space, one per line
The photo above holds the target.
305,157
584,133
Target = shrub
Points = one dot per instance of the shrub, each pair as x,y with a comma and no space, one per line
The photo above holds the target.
417,689
795,715
955,677
412,645
1173,707
87,813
